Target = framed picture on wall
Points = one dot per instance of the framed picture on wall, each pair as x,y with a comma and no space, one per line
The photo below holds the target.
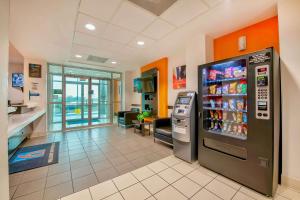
35,71
179,77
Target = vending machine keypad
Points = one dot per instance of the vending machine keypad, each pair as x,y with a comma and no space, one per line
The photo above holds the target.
262,92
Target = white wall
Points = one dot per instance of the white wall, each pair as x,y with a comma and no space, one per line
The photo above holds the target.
15,95
198,50
289,36
130,96
4,44
40,125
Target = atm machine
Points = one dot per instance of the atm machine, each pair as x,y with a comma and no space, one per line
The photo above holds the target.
184,129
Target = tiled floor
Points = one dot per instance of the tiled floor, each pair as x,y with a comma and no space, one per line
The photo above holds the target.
173,179
114,163
86,158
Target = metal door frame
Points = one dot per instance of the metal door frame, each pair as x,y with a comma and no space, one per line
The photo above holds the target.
64,128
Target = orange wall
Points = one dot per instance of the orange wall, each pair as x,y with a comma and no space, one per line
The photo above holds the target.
162,66
259,36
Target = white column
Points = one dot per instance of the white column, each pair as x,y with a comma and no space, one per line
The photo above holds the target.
4,44
289,37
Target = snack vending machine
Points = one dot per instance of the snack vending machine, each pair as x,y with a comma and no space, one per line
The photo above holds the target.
239,119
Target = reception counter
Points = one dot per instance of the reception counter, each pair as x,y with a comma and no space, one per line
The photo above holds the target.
20,126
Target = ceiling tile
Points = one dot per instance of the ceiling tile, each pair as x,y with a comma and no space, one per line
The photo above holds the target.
90,41
212,3
132,17
183,11
101,9
84,19
118,34
158,29
148,42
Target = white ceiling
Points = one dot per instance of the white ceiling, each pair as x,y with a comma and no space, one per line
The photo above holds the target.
54,29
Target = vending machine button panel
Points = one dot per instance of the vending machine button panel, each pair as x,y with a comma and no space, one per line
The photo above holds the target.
262,92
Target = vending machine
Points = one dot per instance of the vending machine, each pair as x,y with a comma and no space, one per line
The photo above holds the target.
239,119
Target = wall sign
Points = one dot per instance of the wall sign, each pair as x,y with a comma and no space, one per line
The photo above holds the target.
35,71
179,77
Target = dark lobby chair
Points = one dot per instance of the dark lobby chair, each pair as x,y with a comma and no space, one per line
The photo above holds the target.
125,117
162,130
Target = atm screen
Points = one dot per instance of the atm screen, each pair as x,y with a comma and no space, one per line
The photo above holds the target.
183,100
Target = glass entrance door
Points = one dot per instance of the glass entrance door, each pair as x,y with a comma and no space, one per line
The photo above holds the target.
100,101
86,102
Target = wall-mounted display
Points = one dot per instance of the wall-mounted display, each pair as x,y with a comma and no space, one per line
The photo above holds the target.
179,77
137,85
35,71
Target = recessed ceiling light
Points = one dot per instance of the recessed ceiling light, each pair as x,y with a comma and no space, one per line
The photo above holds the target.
90,27
141,43
78,56
114,62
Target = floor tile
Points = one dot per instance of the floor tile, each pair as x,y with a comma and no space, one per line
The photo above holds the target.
186,187
154,184
133,155
15,179
104,175
152,157
32,196
183,168
288,192
253,194
118,160
82,171
34,174
82,195
137,192
96,159
142,173
57,169
220,189
207,171
140,162
205,195
104,164
199,177
124,181
169,193
58,179
84,182
78,156
171,160
80,163
229,182
170,175
29,187
151,198
116,196
242,196
103,190
125,167
58,191
12,191
157,166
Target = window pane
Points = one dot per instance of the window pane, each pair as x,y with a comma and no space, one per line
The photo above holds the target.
55,88
55,117
55,69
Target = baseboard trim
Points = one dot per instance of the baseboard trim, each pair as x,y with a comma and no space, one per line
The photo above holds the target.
290,182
